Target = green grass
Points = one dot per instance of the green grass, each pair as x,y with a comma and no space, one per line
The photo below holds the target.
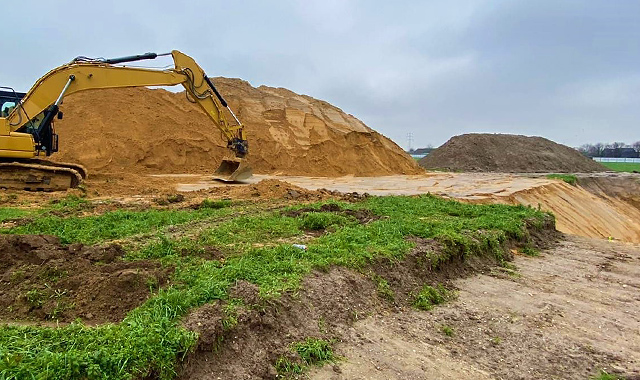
622,166
7,213
384,289
568,178
311,351
322,220
447,330
604,375
430,296
111,225
315,351
258,249
69,204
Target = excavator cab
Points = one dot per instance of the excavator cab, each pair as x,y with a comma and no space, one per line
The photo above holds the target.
9,99
7,107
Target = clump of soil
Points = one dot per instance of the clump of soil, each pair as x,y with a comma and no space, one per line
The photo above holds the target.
484,152
44,280
266,189
362,216
140,130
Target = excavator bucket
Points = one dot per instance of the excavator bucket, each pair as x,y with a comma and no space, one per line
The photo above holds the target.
232,171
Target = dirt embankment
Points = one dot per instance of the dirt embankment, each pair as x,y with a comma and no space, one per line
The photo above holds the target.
483,152
139,130
41,280
326,306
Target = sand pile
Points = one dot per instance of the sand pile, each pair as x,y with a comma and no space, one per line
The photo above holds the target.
141,130
265,189
485,152
276,189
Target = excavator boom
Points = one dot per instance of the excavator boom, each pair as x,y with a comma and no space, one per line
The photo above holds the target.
26,125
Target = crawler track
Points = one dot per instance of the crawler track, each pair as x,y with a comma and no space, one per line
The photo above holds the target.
40,175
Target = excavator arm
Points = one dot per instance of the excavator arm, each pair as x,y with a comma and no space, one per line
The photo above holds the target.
27,131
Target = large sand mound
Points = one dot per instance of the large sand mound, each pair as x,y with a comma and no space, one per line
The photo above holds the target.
156,131
485,152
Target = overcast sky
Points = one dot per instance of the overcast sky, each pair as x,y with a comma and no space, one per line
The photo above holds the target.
565,70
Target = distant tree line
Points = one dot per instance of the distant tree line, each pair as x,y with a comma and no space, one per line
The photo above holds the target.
616,149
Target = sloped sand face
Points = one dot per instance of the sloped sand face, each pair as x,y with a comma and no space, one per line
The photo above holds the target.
140,130
583,212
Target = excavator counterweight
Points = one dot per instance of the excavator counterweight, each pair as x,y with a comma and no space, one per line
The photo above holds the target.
26,120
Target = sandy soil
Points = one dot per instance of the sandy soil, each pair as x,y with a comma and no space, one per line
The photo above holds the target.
572,311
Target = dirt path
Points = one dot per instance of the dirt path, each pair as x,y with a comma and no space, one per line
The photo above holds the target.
573,310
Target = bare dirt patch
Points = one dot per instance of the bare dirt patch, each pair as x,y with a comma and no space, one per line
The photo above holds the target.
484,152
43,280
572,311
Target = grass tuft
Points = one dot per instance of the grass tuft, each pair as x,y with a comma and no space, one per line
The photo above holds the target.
568,178
317,221
447,330
604,375
315,351
430,296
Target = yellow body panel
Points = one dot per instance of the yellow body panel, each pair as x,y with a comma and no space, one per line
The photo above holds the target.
17,145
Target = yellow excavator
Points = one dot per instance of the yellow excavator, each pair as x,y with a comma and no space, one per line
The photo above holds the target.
27,133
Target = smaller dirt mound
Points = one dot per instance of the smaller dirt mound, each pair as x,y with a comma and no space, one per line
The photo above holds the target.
276,189
44,281
483,152
362,216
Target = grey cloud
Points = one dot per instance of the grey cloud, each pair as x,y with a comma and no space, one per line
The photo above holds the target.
567,70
